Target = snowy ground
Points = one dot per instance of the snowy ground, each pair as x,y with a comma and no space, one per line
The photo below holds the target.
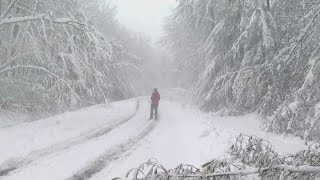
103,143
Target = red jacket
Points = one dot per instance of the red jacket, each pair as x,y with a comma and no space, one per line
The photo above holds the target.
155,98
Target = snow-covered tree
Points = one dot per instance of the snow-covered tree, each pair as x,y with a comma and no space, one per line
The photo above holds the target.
298,67
53,58
253,56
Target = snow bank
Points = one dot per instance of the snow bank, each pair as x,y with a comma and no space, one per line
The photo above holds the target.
20,140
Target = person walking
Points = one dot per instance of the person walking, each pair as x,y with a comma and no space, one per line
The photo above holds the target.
155,98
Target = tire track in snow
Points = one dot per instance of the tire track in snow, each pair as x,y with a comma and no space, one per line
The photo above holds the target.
111,155
15,164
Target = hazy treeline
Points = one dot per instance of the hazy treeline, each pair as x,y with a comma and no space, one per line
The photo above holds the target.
252,56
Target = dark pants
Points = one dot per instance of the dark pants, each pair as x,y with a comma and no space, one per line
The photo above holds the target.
154,107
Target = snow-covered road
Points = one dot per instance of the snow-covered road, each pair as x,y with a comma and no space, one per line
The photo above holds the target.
103,143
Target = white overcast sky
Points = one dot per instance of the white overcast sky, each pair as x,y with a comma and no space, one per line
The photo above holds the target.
144,16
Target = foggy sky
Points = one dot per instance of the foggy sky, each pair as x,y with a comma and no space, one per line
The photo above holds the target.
144,16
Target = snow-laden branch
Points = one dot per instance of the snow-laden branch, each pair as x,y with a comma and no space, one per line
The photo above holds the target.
9,8
300,169
39,17
38,68
303,33
286,168
13,59
20,19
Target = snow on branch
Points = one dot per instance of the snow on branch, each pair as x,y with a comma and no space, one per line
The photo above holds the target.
167,175
74,64
39,18
38,68
8,9
256,157
299,40
302,169
13,59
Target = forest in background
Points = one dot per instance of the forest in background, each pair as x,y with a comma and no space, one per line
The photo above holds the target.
63,55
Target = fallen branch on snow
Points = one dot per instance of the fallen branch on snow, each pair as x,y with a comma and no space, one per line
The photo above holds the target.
284,168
